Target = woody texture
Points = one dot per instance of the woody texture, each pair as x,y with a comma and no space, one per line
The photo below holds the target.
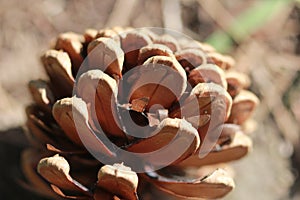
133,114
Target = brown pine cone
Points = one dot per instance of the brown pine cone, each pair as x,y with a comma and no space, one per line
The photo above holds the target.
167,107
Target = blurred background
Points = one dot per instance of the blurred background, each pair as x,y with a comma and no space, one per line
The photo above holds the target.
262,35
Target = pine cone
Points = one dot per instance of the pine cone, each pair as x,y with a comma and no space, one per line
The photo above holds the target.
171,109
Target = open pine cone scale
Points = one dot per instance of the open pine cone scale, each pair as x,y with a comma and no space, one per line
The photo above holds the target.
96,104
